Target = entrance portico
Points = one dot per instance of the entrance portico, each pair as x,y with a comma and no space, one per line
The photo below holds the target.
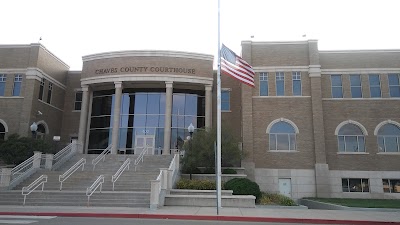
118,109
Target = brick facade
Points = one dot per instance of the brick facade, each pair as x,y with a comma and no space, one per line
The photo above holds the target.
315,167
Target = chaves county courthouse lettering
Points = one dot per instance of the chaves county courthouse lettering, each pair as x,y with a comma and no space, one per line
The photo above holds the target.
317,123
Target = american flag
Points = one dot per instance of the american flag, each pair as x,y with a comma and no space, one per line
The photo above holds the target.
235,66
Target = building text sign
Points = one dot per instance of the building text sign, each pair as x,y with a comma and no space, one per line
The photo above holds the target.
145,69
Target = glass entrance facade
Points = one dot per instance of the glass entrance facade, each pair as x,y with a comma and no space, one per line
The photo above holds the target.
143,113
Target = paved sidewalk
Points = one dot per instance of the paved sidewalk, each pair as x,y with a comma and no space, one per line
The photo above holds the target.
209,213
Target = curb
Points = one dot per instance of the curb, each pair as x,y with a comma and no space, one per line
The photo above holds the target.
200,217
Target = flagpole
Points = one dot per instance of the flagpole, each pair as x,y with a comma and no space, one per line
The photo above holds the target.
218,166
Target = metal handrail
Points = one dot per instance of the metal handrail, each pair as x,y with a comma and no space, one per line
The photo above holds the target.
21,168
35,184
102,156
63,177
125,165
63,155
140,157
90,190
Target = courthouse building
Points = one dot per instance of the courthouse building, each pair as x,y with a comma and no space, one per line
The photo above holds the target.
317,123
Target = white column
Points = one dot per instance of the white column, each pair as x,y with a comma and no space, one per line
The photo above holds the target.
208,113
117,114
83,118
168,113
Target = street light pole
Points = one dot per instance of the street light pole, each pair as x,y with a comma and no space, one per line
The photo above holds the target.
34,128
190,129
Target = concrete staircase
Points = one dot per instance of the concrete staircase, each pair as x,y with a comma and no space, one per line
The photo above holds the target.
132,189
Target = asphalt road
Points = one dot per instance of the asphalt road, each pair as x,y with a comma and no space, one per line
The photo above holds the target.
50,220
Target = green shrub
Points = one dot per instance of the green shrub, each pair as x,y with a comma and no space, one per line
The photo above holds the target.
244,186
229,171
196,184
276,199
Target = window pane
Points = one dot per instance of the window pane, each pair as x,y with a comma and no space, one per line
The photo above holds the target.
391,144
272,142
341,144
337,92
2,88
280,88
282,142
17,88
297,87
395,91
336,80
365,185
153,101
139,121
263,88
356,92
361,144
381,144
292,141
350,129
393,79
191,104
355,80
140,103
351,144
374,80
395,186
386,187
225,106
345,185
224,95
78,105
389,129
355,185
282,127
152,121
375,92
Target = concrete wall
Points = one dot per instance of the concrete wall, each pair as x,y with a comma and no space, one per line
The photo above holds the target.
302,181
375,183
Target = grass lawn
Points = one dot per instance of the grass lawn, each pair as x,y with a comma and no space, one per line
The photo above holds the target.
364,203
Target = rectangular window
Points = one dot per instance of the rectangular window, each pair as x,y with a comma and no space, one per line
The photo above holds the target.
296,76
355,185
336,82
17,85
49,92
394,85
78,100
263,84
280,84
225,100
355,86
391,185
3,79
41,89
374,86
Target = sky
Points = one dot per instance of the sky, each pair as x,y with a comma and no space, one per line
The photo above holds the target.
71,29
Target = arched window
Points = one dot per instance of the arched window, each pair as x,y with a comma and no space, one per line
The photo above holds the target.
2,132
3,129
282,136
351,138
389,138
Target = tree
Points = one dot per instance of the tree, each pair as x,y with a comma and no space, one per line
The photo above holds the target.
200,150
17,149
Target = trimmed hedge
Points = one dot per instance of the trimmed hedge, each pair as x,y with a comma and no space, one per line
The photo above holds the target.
244,186
196,184
276,199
